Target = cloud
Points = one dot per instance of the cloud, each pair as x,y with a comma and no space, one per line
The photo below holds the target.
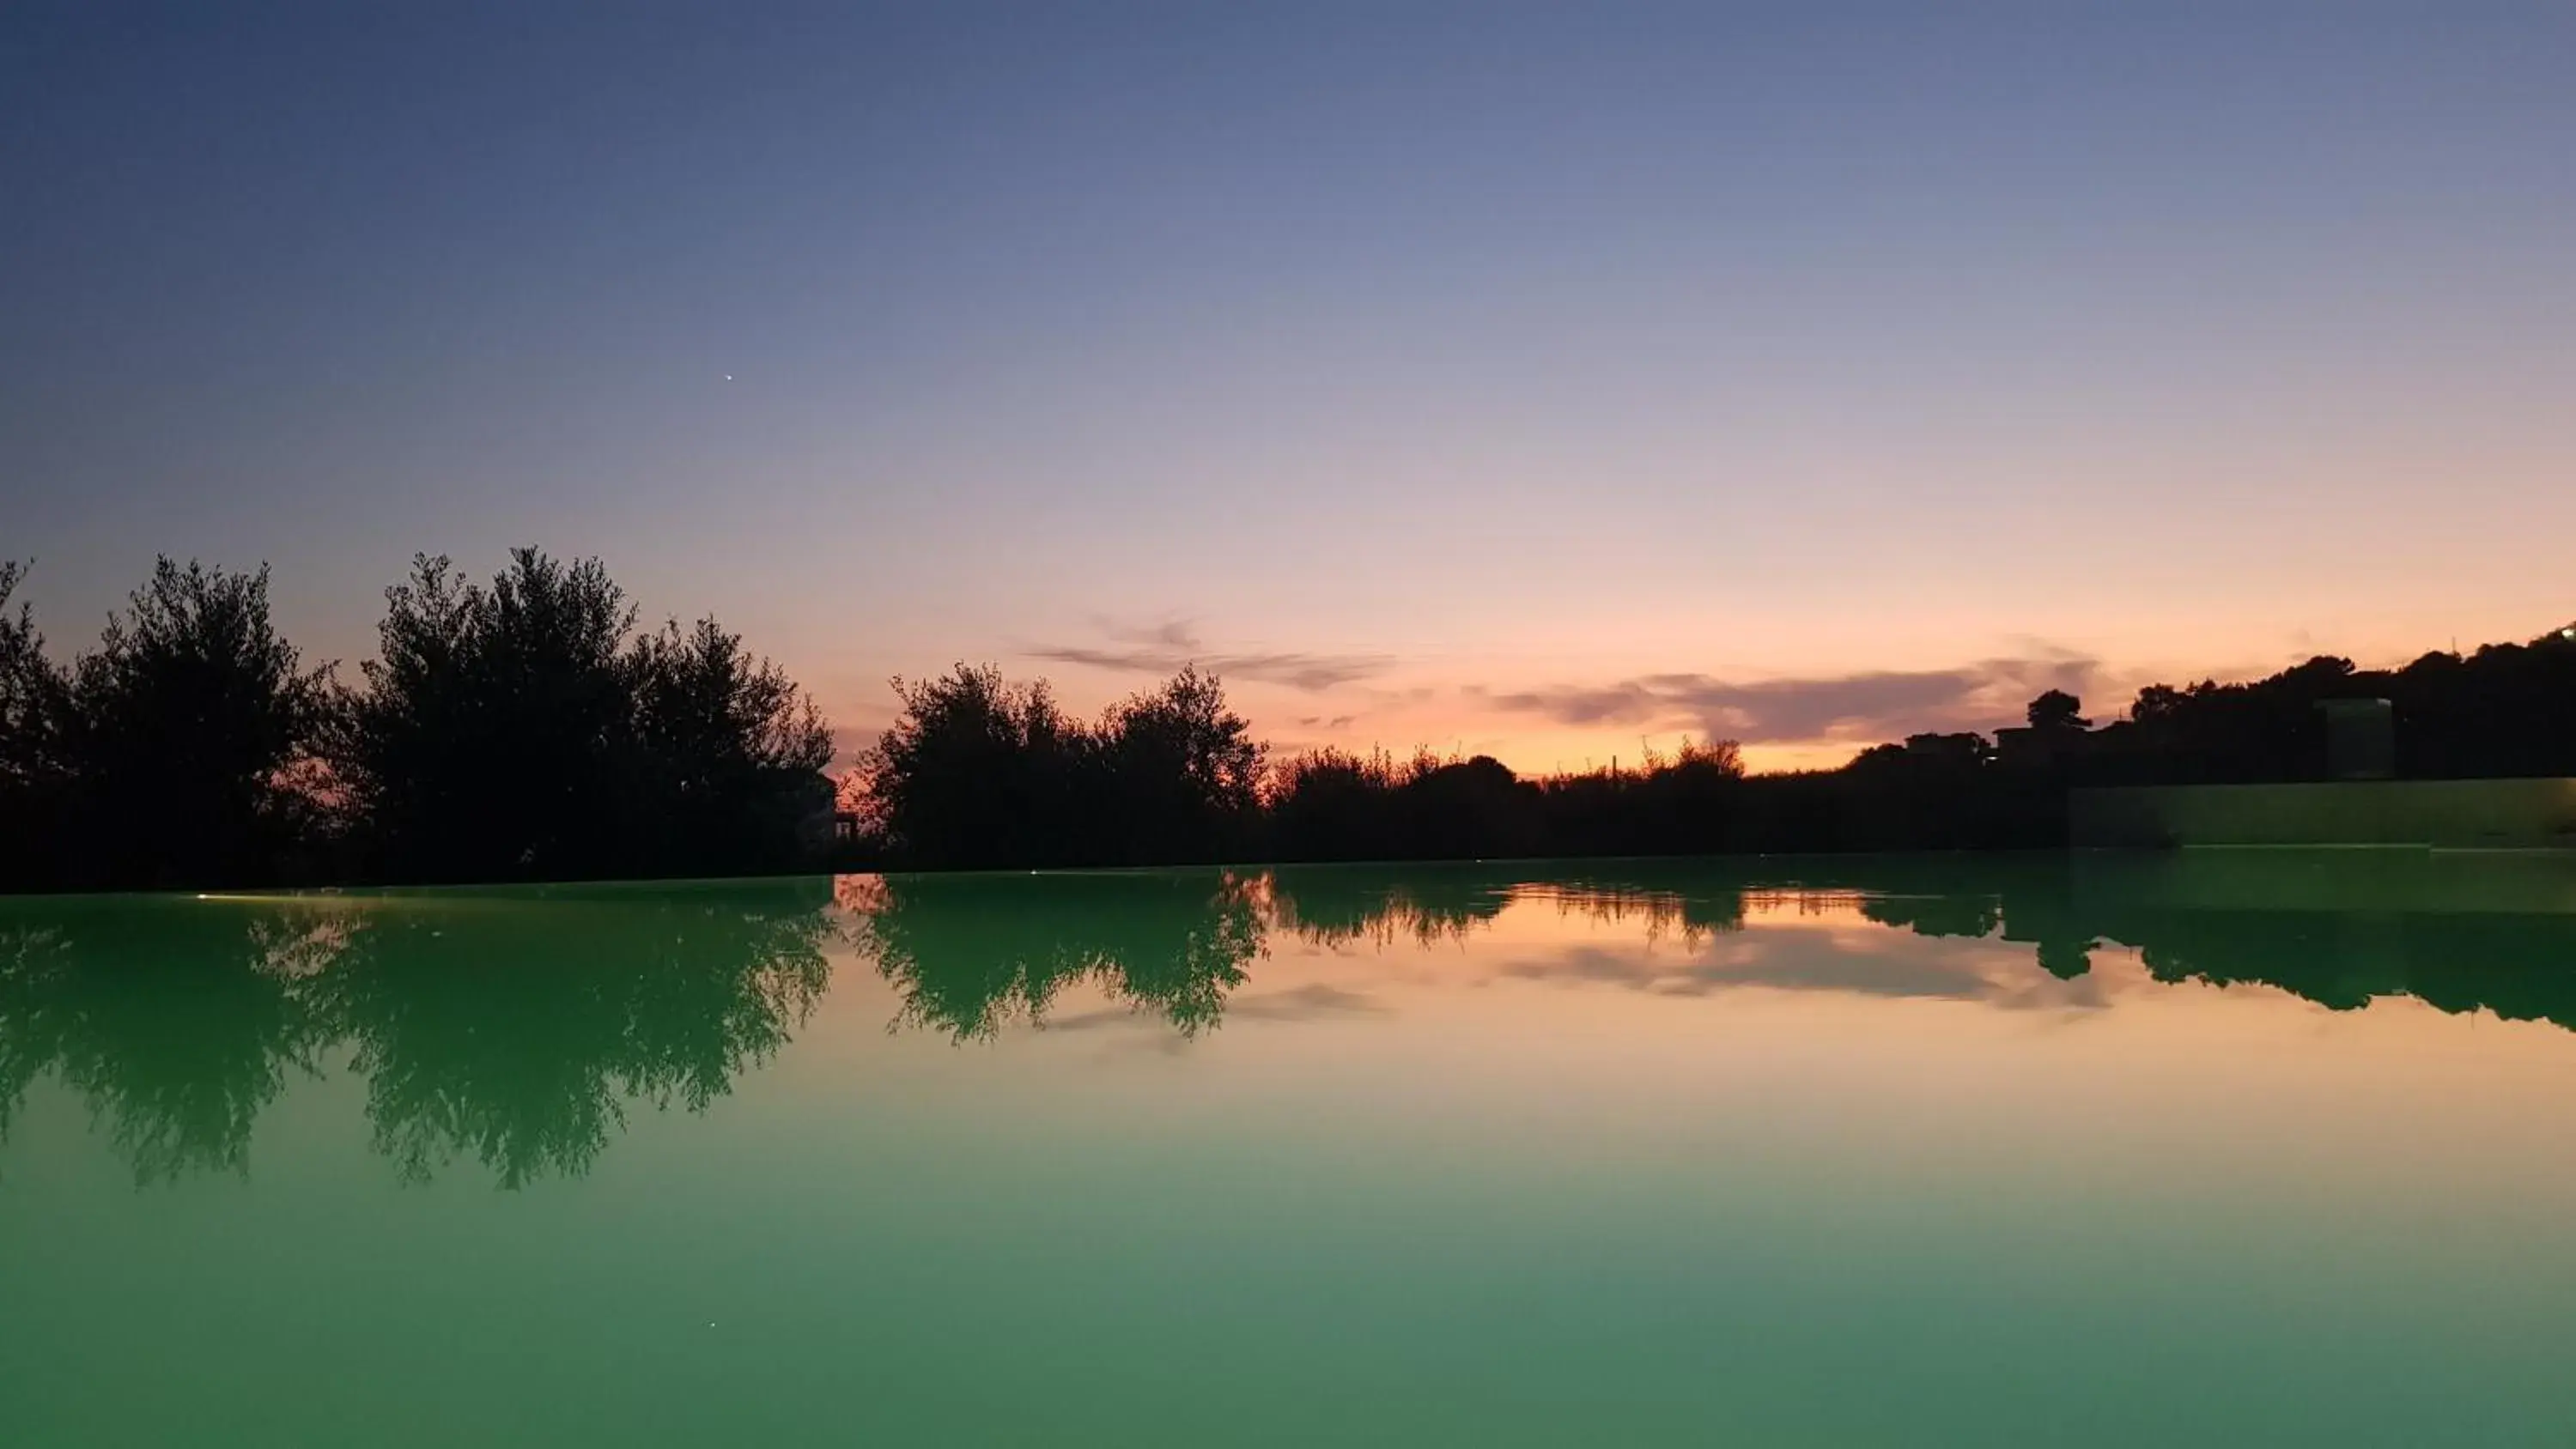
1875,705
1166,648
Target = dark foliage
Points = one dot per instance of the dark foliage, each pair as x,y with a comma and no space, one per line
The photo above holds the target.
524,731
2055,709
35,774
979,773
976,772
499,724
733,756
2505,711
177,752
518,730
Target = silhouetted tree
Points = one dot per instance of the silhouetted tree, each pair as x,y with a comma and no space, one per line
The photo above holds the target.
1180,771
734,753
1330,804
975,772
35,778
1686,804
978,772
183,729
498,728
524,730
2058,710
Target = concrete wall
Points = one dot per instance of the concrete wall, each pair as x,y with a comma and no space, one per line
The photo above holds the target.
2457,813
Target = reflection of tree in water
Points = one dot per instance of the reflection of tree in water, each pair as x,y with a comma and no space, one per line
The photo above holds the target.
1676,900
175,1020
513,1028
1940,915
2065,960
2520,966
969,953
2351,946
1336,905
27,953
517,1027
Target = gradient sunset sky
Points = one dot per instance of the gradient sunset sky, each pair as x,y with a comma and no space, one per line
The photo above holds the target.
1529,379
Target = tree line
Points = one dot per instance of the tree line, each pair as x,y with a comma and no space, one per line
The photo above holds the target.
519,729
982,773
525,728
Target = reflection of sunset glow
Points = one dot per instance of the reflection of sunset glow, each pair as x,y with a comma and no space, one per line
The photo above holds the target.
1807,1032
2010,1098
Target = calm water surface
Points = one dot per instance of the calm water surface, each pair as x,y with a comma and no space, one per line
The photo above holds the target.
2253,1148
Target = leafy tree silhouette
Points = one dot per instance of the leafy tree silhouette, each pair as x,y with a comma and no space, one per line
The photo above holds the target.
1180,769
734,751
35,777
498,724
524,730
2057,710
182,728
977,772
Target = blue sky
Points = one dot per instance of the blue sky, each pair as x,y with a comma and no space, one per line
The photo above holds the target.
1542,379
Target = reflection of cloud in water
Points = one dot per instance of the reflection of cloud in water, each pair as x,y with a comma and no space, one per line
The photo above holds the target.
1101,1018
1315,1002
1827,961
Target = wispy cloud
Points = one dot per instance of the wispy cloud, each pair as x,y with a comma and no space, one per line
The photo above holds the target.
1878,704
1166,648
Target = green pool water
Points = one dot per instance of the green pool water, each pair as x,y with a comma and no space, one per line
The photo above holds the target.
2258,1148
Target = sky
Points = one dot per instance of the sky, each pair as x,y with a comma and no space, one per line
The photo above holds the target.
1541,380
